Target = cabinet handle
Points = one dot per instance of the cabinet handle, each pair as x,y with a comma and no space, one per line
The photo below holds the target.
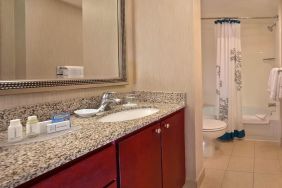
158,131
167,125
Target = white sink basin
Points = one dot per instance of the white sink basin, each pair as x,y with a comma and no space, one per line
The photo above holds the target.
128,115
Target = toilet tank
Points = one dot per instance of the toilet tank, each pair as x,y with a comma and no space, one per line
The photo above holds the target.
209,112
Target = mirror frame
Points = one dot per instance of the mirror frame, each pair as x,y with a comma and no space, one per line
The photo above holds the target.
46,85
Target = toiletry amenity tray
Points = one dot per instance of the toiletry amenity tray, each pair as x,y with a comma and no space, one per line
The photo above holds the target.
39,138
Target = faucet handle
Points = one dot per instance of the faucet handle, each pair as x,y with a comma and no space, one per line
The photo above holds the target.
111,92
108,94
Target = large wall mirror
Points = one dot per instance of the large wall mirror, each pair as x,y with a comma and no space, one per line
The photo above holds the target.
45,43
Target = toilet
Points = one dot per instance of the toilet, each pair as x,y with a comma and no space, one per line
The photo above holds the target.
212,129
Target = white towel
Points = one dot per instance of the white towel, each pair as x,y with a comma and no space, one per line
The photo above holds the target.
273,87
261,116
279,87
254,120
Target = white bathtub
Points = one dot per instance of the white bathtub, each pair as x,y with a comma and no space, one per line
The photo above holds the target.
269,129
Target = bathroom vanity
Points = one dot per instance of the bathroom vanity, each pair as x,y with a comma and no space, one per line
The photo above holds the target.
150,157
144,152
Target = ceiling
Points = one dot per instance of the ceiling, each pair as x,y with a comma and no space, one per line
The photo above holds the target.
233,8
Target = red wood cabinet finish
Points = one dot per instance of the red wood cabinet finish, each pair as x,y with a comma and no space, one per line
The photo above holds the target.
173,151
96,171
112,185
154,160
140,159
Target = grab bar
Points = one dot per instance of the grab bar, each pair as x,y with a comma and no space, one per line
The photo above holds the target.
271,104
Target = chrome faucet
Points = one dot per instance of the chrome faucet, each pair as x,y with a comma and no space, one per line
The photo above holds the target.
106,100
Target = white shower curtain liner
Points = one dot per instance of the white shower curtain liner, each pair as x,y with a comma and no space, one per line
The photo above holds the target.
229,80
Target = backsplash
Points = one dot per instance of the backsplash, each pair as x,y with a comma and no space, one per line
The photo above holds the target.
45,110
160,97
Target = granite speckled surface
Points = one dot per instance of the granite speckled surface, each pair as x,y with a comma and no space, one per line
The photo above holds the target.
44,110
22,163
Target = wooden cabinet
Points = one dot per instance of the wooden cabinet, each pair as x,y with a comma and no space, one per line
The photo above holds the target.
111,185
95,171
173,151
140,159
155,157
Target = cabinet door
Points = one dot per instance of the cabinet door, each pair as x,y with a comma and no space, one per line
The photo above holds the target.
140,159
95,171
112,185
173,151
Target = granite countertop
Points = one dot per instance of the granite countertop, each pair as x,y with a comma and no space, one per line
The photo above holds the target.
22,163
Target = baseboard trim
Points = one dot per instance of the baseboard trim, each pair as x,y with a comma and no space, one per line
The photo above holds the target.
201,178
195,183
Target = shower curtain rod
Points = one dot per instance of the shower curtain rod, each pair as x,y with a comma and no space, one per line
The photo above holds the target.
250,18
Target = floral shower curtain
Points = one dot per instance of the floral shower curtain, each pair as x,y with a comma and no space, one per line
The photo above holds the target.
229,80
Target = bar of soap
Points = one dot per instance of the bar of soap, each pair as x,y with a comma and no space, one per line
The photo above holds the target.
60,126
51,128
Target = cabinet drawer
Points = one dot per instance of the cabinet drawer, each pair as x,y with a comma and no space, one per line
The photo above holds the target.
95,171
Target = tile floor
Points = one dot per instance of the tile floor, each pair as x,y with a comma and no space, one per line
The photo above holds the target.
244,164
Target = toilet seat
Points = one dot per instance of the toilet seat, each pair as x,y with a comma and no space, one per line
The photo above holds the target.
211,125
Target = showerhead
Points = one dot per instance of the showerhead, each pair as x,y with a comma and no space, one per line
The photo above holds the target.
271,27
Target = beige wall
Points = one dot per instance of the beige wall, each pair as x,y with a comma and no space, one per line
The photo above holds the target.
168,58
53,37
209,62
100,38
9,101
279,34
20,40
257,43
7,61
12,34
